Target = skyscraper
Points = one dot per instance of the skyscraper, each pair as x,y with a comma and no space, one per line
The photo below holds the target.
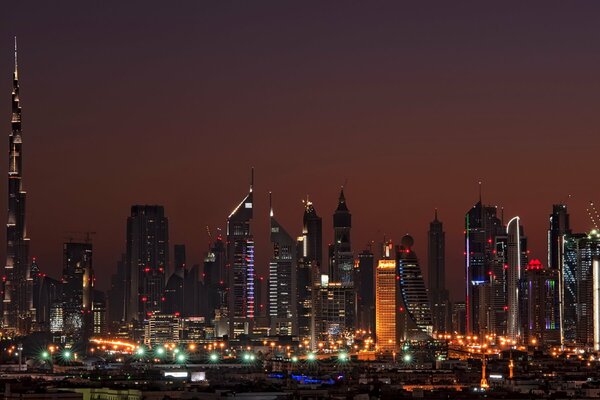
365,291
240,262
215,277
18,313
282,280
147,260
309,249
481,228
341,258
436,268
541,290
78,285
514,265
386,307
416,321
559,228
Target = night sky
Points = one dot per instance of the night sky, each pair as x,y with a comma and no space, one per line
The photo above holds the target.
408,105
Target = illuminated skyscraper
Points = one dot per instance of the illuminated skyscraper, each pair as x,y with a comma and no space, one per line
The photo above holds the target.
541,290
558,230
18,312
340,252
385,305
440,303
514,265
78,286
481,228
240,262
215,276
309,258
282,281
147,260
415,322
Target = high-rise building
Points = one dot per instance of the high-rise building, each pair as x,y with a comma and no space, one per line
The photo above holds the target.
558,230
436,269
240,262
415,320
579,251
365,291
77,294
309,250
18,313
482,226
514,273
282,280
541,288
385,305
116,295
341,262
147,260
215,277
334,303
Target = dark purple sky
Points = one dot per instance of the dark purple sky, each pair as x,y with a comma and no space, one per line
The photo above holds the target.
411,104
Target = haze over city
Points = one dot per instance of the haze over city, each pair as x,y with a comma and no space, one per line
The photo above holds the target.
409,106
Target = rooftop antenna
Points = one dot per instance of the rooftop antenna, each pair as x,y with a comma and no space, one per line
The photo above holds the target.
252,179
271,204
480,191
16,64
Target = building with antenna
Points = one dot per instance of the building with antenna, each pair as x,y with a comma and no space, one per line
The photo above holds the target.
18,311
240,262
436,268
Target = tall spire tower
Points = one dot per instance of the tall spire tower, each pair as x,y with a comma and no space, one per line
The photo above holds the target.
18,299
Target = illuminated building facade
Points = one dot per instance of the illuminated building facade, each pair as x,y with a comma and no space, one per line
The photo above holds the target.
282,281
240,262
482,226
341,263
416,322
436,268
18,312
161,329
309,250
542,288
514,264
558,230
385,305
147,260
334,304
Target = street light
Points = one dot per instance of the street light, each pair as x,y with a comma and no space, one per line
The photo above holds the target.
181,358
214,357
343,356
312,357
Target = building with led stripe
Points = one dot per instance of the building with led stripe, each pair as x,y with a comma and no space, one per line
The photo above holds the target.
240,262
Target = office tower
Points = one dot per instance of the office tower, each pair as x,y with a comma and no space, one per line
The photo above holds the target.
436,268
160,329
365,291
459,317
179,255
215,277
195,293
341,261
482,226
240,261
312,232
309,263
282,280
99,325
385,305
514,264
260,305
18,300
559,228
542,285
116,295
595,303
579,252
415,322
334,304
46,291
174,297
147,260
78,286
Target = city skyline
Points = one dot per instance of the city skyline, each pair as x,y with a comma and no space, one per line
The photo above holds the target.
91,194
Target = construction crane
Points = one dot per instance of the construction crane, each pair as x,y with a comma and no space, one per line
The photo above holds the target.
593,214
